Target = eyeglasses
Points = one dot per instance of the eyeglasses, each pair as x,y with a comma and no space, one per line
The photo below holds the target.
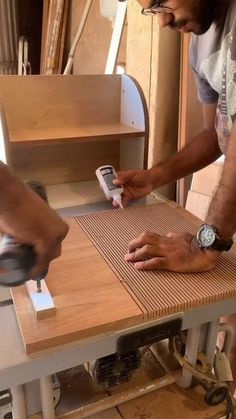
156,8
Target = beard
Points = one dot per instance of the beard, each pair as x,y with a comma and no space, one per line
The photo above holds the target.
202,16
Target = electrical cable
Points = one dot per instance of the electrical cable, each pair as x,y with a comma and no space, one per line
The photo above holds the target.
206,380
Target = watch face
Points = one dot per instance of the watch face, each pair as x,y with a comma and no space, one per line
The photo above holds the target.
206,235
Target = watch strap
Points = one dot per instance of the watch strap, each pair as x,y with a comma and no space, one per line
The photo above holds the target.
222,245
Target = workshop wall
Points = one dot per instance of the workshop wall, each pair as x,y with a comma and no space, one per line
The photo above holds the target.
150,55
153,59
92,50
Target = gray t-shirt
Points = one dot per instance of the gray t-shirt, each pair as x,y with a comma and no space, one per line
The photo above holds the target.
213,60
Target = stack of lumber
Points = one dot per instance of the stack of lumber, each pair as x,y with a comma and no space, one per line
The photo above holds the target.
53,35
9,33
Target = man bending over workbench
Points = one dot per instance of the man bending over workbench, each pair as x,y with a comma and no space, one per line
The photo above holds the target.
213,59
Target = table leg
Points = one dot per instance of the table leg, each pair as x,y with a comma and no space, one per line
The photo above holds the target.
191,351
212,334
46,394
18,402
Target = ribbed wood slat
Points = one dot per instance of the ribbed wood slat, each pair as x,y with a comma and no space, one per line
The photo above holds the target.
157,292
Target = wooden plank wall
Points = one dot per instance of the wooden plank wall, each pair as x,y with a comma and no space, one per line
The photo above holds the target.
153,59
194,192
190,113
92,50
53,36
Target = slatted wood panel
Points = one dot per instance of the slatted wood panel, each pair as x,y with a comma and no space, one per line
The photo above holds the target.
159,293
89,298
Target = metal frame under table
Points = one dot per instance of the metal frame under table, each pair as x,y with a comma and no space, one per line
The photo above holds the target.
17,368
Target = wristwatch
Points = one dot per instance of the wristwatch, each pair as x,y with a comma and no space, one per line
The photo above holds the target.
208,238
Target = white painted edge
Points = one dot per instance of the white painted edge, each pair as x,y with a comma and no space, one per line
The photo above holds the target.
4,135
132,110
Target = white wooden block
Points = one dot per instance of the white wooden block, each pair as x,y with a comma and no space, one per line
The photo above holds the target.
42,302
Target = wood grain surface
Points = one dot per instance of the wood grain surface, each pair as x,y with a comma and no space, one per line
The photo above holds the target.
96,291
88,296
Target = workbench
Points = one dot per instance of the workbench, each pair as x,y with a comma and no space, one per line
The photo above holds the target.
18,368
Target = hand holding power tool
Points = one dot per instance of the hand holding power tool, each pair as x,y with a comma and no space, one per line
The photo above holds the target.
17,259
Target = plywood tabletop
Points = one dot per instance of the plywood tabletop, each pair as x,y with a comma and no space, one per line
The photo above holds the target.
88,296
95,291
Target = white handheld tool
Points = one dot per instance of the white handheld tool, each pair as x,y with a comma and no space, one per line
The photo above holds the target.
106,174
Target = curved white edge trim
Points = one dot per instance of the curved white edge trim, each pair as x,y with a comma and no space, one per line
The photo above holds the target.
132,110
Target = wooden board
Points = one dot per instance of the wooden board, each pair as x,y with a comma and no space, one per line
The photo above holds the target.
190,112
90,299
82,133
74,194
91,60
198,204
206,181
203,186
44,33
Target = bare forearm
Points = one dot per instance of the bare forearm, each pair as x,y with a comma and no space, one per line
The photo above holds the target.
222,209
25,216
10,188
201,151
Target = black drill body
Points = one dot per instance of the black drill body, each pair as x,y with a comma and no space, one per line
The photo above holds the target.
17,259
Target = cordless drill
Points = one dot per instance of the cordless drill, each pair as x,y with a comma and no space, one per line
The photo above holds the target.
17,259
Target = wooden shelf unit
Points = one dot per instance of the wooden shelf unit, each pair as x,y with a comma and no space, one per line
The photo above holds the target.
61,128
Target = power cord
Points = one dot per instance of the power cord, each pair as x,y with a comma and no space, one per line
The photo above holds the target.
216,391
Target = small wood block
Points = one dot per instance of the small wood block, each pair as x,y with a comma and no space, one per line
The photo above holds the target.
42,302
